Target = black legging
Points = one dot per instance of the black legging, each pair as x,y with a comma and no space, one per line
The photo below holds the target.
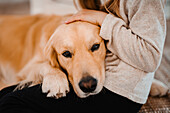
32,100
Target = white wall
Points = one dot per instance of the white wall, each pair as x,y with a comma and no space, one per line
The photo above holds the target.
60,7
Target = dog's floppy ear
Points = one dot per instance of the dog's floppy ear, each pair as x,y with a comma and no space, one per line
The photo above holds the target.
51,54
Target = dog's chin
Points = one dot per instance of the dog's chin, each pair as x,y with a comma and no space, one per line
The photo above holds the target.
84,95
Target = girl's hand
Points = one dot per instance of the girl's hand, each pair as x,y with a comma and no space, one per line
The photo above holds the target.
92,16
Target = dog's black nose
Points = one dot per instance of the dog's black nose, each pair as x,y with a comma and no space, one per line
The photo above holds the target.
88,84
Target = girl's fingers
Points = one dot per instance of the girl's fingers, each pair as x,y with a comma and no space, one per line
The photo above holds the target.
77,17
71,20
91,16
74,18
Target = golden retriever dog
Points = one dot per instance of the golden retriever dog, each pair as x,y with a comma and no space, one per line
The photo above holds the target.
36,49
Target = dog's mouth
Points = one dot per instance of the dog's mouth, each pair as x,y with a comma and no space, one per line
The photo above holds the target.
88,94
84,95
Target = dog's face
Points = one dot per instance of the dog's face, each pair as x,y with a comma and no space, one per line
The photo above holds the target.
78,48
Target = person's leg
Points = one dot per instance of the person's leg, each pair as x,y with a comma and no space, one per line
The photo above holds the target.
107,101
7,90
32,99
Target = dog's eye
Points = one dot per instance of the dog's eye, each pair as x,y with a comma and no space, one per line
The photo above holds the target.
95,47
67,54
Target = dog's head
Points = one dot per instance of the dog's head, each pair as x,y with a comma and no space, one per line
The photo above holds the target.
78,49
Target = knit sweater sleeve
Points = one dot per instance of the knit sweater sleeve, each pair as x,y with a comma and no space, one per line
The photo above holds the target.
140,42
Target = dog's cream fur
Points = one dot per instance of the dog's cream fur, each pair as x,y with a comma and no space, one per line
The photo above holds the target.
32,47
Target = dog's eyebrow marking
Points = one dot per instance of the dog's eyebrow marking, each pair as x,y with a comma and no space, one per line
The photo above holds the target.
67,43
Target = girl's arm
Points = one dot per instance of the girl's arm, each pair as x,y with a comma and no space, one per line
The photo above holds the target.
141,43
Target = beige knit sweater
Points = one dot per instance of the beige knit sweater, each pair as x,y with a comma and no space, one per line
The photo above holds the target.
135,47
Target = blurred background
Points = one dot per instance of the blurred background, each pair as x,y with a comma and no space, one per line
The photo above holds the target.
60,7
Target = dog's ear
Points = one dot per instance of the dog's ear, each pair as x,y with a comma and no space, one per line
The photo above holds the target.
51,54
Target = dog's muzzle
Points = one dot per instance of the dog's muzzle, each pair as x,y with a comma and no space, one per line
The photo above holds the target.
88,84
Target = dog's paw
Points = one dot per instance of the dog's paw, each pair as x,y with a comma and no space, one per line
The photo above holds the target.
23,84
158,88
56,86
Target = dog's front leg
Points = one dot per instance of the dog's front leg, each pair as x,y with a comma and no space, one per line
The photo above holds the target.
55,82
